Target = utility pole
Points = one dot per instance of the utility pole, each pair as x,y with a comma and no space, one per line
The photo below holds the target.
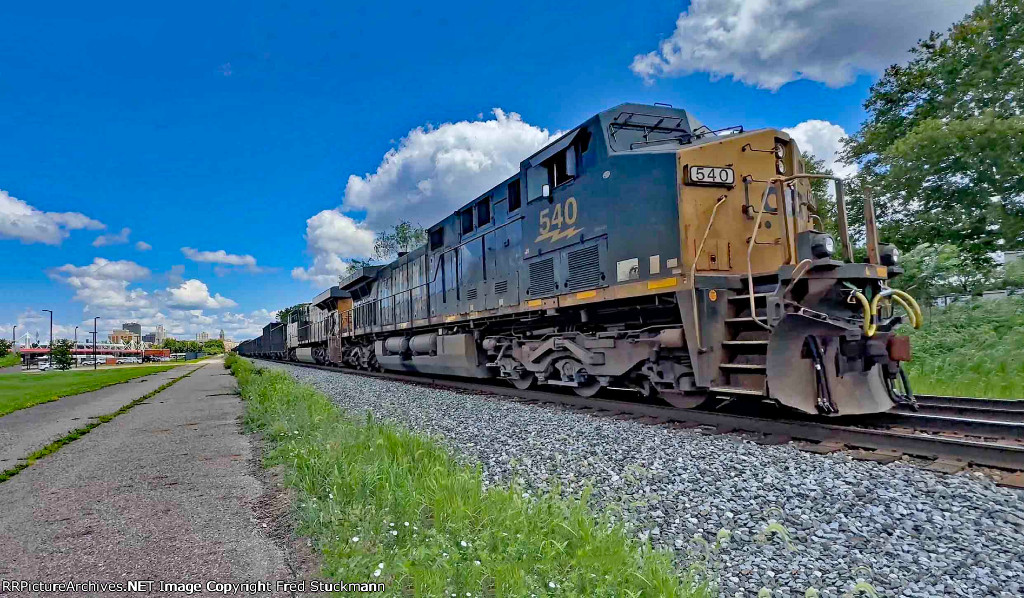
94,332
76,346
14,338
49,349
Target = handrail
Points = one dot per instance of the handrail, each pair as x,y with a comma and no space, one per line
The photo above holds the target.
433,277
750,250
757,223
693,271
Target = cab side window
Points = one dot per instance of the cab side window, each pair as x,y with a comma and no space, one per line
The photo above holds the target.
515,198
483,212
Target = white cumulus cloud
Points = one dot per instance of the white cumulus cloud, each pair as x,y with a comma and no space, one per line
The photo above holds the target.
194,294
113,238
143,246
330,237
822,140
218,257
103,284
108,289
435,170
19,220
432,172
769,43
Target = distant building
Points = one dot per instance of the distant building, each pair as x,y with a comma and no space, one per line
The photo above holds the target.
120,337
160,334
204,336
222,336
133,327
150,338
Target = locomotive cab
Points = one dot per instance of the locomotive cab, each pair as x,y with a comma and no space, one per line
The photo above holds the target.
807,326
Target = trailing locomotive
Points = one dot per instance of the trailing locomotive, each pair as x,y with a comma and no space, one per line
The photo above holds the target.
639,250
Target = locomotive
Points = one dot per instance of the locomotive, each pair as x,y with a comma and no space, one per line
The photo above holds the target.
640,250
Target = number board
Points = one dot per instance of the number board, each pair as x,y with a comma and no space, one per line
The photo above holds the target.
711,175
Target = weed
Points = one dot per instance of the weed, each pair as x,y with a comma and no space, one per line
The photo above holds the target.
384,503
970,349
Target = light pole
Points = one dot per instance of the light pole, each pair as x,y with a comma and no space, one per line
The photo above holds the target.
94,332
49,348
76,346
14,338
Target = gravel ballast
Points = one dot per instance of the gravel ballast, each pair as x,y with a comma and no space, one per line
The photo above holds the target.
906,531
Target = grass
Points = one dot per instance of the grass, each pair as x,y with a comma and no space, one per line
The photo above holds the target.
387,505
9,360
18,391
77,433
970,349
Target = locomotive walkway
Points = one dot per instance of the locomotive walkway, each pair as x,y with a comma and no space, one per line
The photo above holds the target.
168,490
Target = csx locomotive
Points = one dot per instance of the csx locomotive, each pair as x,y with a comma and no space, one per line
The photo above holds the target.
639,250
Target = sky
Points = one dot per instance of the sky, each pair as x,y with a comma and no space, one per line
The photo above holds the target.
203,167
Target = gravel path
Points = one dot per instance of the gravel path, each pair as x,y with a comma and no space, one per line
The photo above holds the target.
906,531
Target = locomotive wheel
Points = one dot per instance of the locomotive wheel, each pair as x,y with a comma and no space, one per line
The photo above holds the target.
588,388
524,381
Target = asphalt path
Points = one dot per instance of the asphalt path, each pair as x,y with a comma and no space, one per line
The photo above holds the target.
28,430
167,491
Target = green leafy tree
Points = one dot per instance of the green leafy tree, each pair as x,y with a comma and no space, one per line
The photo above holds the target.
933,270
1013,276
213,347
354,265
60,354
823,197
176,346
943,145
282,316
402,238
5,347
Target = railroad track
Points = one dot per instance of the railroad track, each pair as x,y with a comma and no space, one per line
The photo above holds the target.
947,433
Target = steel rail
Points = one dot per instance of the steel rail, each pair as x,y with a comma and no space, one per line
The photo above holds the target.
975,452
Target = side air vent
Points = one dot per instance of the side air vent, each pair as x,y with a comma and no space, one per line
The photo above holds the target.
542,277
584,268
500,287
471,294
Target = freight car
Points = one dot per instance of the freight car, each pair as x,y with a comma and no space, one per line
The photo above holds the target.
640,250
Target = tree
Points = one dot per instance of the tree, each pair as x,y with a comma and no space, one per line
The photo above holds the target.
176,346
282,316
402,238
213,347
1013,276
943,145
933,270
5,347
60,354
823,198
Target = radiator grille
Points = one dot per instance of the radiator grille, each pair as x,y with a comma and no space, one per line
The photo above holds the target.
500,287
542,277
471,294
584,268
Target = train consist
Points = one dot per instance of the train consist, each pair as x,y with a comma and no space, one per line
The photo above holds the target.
640,250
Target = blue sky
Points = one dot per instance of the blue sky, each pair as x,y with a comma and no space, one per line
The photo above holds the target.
224,135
